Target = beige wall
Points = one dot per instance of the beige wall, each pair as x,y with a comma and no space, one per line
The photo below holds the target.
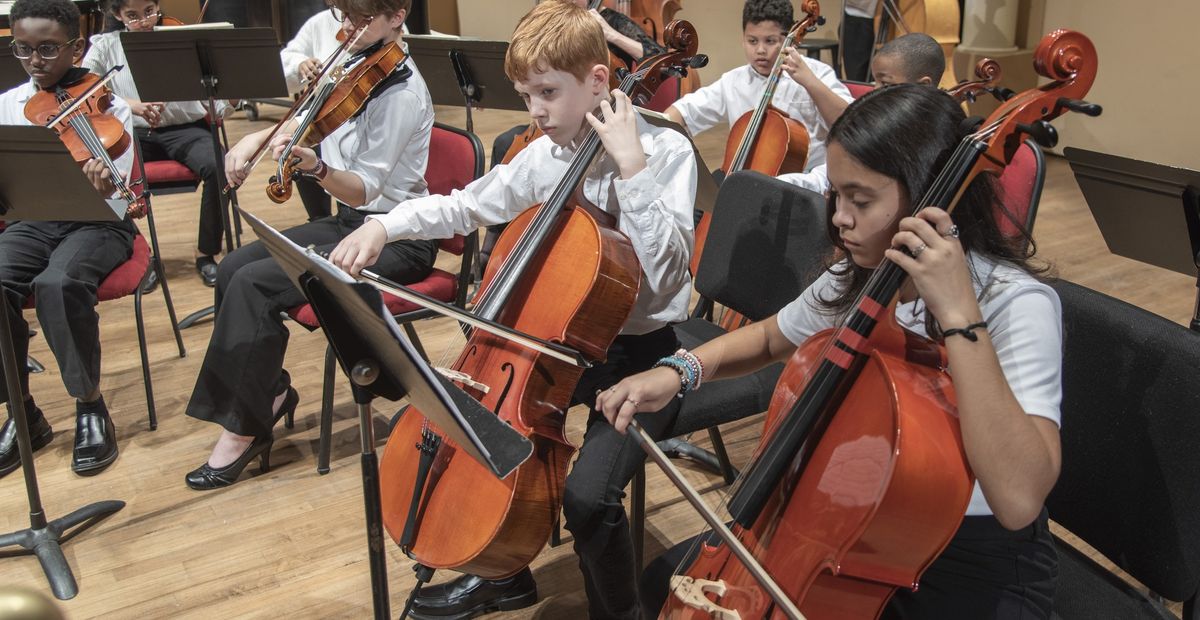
718,22
1147,81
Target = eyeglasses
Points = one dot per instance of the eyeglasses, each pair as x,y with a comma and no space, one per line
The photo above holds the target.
341,17
149,17
47,51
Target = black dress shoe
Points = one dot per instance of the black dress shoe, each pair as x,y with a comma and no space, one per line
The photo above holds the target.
151,282
287,409
95,439
207,477
207,266
470,596
40,435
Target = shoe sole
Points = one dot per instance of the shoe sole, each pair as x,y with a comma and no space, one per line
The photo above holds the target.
504,604
92,470
35,444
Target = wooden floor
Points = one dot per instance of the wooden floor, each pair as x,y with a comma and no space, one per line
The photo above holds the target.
291,543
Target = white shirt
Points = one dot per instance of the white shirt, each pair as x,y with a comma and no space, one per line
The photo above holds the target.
387,145
738,91
106,52
654,208
317,38
12,112
1024,320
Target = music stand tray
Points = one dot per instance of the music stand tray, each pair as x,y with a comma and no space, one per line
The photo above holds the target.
1145,211
39,181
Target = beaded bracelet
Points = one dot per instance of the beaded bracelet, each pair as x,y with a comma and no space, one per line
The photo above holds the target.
689,367
967,332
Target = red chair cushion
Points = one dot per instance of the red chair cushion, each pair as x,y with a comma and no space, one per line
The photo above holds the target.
168,171
125,279
440,285
858,89
451,162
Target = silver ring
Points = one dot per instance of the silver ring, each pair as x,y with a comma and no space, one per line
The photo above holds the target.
917,250
953,232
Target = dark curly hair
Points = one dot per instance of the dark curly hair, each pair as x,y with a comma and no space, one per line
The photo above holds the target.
907,132
62,11
778,11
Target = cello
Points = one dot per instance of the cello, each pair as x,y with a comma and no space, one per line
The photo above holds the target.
861,479
558,273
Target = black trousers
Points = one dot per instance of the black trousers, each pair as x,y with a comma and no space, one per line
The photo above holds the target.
858,37
607,461
986,572
192,146
61,264
243,367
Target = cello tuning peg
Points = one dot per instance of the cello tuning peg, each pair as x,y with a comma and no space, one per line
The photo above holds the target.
820,22
698,61
1042,131
1002,93
1078,105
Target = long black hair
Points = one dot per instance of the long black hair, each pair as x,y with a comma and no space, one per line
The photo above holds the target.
907,132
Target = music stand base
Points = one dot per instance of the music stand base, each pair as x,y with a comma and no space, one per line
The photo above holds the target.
45,544
195,317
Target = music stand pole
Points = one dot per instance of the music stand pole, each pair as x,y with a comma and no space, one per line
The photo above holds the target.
26,174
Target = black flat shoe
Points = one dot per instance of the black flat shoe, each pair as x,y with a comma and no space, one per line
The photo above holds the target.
207,266
40,435
151,282
95,439
287,409
470,596
206,477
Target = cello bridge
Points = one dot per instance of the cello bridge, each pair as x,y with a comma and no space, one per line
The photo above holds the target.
463,378
691,592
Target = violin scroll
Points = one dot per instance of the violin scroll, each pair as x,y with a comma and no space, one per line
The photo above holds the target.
987,73
682,43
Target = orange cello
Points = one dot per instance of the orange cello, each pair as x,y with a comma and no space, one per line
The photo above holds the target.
861,479
558,273
765,139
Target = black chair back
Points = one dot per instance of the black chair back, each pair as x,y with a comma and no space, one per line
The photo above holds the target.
767,243
1130,482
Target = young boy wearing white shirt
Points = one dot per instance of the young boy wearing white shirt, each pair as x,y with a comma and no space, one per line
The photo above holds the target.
808,92
372,162
172,130
645,179
60,264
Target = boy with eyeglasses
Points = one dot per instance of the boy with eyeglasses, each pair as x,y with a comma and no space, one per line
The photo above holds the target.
175,130
60,264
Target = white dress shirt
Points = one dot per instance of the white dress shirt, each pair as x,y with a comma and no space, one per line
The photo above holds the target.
653,208
387,145
106,52
317,38
12,112
738,91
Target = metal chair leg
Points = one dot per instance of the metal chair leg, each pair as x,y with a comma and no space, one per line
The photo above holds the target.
637,517
141,332
727,470
415,340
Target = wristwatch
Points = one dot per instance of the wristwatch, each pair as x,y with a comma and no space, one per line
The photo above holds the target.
319,173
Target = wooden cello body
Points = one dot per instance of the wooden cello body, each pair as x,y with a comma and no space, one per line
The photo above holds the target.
561,273
880,497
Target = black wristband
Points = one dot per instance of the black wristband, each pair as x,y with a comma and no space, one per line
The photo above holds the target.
967,332
317,173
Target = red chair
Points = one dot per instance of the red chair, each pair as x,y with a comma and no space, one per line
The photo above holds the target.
1020,187
455,159
127,279
858,89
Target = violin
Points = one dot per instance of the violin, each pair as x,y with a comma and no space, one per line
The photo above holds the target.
866,412
562,273
78,111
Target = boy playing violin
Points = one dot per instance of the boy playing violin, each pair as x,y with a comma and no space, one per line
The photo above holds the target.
646,179
60,264
370,163
809,92
175,130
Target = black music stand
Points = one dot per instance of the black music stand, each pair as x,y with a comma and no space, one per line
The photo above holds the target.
1148,212
39,181
381,362
206,65
466,72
